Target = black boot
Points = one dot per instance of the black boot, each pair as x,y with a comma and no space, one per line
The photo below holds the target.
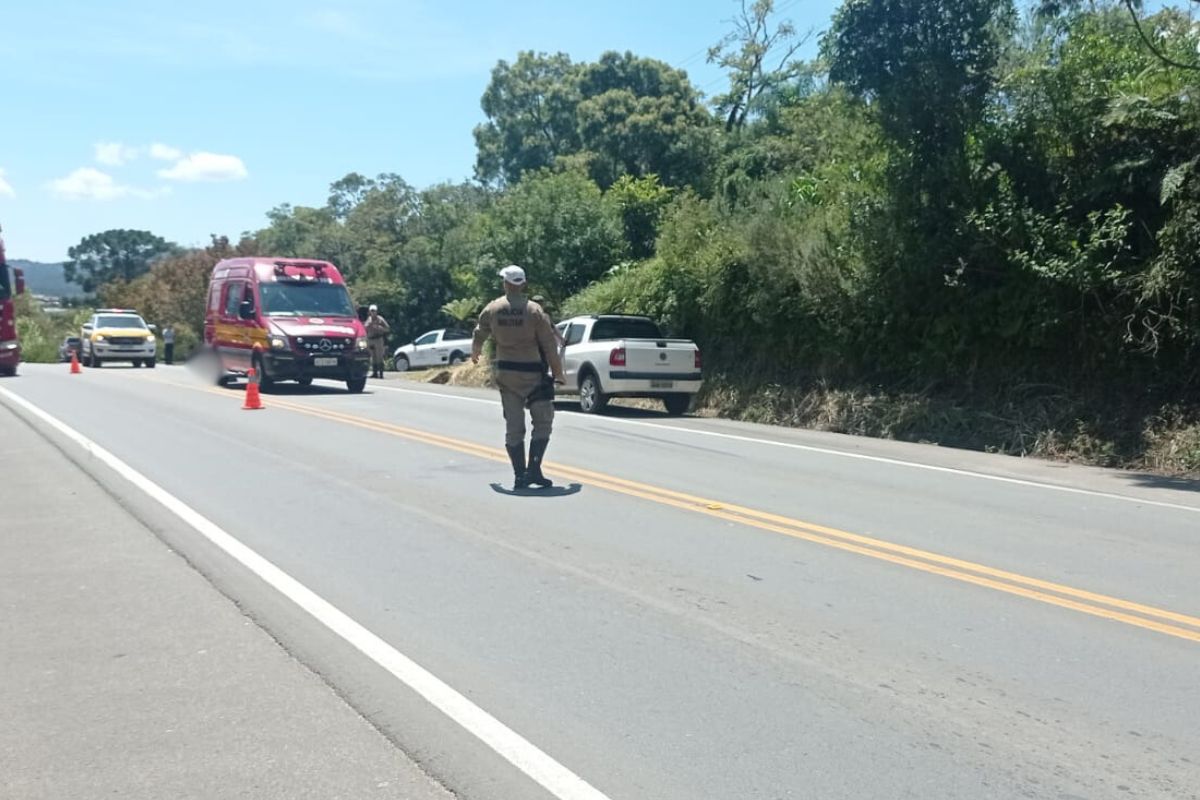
516,454
533,474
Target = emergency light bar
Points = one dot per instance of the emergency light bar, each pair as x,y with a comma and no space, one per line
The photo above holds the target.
282,274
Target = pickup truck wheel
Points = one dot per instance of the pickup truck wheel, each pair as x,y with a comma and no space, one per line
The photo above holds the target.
150,363
591,399
401,364
677,404
93,361
457,359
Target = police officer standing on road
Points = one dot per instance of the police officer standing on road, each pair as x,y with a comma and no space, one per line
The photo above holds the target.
377,331
169,344
527,367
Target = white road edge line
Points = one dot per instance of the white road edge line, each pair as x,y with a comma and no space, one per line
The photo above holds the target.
860,456
514,748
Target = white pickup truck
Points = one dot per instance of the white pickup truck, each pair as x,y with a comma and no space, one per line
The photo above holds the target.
622,356
434,349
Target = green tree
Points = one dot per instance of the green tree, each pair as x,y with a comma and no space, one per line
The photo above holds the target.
302,232
113,255
760,57
926,68
640,117
347,192
640,202
556,225
928,65
530,109
620,115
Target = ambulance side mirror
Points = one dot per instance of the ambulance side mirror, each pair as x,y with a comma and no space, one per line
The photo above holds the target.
20,276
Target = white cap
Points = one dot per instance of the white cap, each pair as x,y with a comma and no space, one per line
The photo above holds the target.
513,274
373,307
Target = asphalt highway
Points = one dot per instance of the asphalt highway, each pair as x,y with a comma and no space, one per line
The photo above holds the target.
700,609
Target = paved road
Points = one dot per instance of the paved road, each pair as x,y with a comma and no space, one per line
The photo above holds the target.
711,610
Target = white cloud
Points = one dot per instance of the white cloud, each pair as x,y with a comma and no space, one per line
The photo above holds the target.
6,189
89,183
114,154
211,167
163,152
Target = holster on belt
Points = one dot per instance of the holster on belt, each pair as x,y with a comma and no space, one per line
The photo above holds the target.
545,388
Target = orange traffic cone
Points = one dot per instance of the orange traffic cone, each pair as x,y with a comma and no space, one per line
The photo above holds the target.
75,370
253,401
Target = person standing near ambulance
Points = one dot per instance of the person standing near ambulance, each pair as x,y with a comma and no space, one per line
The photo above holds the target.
168,335
377,331
526,368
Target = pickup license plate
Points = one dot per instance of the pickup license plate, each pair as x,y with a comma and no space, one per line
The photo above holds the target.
325,362
662,384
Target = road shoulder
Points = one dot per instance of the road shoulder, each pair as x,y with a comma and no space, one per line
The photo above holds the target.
125,673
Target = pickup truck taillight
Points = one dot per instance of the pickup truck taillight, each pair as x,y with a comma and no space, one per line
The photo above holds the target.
699,360
617,357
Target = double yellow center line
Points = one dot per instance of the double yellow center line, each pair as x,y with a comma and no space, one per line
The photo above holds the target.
1159,620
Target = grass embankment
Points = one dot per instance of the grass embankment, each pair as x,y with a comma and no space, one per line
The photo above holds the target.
1032,421
1036,421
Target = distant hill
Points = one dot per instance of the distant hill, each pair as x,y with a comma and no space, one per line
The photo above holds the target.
47,279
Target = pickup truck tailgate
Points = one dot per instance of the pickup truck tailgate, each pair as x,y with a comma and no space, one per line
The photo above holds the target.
660,357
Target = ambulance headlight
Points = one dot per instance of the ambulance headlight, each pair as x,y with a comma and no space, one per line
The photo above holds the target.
279,343
360,343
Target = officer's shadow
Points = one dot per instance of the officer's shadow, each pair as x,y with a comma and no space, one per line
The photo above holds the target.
552,491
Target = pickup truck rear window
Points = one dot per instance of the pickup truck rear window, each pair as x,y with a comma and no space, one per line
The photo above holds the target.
606,330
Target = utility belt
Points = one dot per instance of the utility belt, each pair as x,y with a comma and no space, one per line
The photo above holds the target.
521,366
545,387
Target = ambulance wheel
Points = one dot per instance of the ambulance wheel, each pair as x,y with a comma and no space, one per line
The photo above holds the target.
265,382
356,385
304,381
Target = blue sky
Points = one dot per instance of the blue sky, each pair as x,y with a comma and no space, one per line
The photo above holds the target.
195,118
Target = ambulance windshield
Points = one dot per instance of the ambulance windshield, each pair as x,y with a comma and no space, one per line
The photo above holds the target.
306,300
